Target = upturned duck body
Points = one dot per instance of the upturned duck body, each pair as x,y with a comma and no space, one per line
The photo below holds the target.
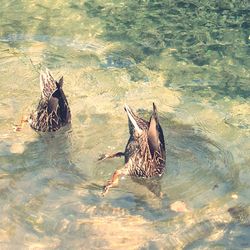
53,110
145,153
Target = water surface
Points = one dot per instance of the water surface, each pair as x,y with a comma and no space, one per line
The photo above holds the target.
191,58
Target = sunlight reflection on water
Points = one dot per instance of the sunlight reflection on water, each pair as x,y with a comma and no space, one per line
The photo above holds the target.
50,184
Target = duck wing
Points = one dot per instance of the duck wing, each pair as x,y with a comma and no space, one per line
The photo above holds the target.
47,84
135,123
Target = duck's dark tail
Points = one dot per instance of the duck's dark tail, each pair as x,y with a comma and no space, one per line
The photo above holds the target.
58,103
155,133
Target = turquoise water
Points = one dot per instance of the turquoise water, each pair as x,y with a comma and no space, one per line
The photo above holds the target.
191,58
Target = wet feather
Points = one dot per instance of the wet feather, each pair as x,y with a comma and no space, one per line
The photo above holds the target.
53,110
145,152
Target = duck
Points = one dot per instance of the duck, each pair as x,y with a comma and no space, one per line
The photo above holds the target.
53,110
145,152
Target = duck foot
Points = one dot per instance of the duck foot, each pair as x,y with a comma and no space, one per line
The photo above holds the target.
19,127
113,182
106,188
108,156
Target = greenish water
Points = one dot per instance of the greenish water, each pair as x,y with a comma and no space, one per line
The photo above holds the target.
189,57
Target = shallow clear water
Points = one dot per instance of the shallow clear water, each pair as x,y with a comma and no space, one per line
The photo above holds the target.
191,59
